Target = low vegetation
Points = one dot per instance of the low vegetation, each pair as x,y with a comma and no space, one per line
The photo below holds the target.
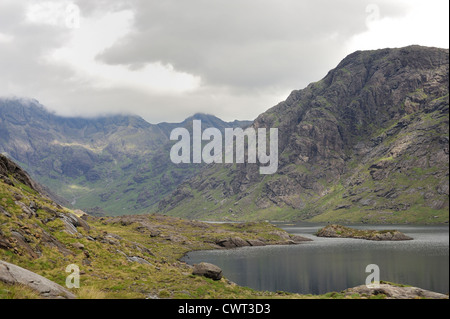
136,256
119,257
340,231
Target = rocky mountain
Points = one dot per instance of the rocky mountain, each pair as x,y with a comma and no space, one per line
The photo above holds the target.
367,143
108,165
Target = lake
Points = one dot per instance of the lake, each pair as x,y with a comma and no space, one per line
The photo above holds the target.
334,264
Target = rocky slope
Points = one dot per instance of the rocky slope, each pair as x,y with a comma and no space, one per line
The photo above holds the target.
111,165
118,257
367,143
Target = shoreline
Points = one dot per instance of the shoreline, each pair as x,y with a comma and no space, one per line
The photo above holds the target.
401,289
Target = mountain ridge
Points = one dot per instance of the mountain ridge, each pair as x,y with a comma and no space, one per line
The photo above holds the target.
367,143
109,164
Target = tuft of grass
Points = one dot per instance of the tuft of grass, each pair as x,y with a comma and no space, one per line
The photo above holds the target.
17,292
90,292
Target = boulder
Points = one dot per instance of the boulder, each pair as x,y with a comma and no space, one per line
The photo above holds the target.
232,242
13,275
207,270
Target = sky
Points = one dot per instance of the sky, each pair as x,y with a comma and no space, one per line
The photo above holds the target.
165,60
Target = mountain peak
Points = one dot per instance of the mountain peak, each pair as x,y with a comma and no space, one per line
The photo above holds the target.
359,145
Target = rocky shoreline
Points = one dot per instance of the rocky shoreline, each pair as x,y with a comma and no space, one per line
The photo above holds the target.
393,291
339,231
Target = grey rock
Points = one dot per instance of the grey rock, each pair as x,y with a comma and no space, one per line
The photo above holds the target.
30,213
33,206
207,270
138,260
68,223
395,292
72,222
232,242
13,275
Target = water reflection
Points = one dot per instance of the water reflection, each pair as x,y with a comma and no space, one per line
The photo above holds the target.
334,264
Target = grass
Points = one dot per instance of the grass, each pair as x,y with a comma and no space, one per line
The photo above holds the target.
106,272
17,292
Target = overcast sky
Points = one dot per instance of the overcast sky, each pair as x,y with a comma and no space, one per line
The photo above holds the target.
167,59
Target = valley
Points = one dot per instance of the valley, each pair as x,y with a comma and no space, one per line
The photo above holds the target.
366,144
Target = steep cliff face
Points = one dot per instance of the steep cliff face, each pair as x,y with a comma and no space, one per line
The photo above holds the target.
369,142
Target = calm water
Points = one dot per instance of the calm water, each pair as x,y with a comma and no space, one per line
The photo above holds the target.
334,264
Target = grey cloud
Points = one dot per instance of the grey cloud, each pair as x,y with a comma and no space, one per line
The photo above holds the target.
251,44
21,59
249,54
89,7
86,101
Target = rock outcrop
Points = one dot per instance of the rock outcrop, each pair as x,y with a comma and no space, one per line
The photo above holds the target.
285,239
9,168
367,143
340,231
394,292
13,275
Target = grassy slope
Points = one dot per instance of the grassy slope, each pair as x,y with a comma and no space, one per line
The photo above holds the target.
107,273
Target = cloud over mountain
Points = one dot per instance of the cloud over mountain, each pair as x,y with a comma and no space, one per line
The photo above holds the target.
165,60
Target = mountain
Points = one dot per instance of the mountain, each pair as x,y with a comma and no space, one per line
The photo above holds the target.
111,165
367,143
208,120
